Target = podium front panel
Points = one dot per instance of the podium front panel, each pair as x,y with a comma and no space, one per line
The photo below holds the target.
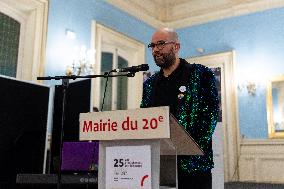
155,159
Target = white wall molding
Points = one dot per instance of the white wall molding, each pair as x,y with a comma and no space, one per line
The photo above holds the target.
262,161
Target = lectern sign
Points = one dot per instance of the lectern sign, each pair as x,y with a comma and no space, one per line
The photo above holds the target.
144,123
128,167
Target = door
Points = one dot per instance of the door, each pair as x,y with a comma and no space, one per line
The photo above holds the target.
116,50
226,135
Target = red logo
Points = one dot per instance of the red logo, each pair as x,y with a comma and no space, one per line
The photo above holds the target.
143,179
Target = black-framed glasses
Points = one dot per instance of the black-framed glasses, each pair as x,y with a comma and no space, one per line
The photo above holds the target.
160,44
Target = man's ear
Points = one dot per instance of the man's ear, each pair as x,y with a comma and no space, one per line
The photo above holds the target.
177,46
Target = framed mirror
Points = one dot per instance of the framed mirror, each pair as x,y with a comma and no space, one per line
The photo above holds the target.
275,107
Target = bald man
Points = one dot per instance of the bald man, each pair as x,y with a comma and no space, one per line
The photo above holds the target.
190,92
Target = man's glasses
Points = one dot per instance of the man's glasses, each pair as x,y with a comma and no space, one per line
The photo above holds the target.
160,44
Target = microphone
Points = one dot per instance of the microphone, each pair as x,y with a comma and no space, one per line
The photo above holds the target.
133,69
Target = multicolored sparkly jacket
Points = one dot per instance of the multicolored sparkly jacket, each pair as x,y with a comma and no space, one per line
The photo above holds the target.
197,112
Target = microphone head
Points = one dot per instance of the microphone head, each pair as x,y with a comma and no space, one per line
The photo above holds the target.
144,67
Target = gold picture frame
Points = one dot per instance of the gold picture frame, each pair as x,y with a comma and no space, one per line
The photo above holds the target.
275,107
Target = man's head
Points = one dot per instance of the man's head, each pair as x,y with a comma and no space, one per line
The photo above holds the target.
165,47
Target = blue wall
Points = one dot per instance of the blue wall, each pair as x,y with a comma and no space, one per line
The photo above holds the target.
257,39
77,16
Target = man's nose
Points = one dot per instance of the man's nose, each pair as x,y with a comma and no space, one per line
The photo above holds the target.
155,49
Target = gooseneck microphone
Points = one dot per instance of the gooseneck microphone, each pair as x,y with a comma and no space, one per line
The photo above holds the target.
133,69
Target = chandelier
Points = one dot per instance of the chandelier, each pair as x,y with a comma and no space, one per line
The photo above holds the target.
82,63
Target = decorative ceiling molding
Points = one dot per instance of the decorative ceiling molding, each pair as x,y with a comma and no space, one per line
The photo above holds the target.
145,12
184,13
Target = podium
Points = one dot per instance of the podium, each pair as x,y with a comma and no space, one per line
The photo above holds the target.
133,143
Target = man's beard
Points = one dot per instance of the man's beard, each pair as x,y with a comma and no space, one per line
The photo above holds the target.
165,60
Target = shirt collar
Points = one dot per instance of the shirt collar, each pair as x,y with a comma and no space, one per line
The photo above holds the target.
176,72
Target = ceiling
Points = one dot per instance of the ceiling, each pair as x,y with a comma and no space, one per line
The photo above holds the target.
183,13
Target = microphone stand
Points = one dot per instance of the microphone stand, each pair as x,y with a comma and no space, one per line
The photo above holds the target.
65,84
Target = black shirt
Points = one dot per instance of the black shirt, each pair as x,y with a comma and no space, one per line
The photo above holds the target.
167,88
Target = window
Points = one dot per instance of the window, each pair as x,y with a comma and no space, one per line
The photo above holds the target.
115,50
9,45
116,94
32,38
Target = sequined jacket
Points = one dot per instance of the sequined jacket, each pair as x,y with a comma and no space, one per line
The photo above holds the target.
197,112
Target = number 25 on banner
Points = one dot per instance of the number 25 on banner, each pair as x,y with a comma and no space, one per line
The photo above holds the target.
119,162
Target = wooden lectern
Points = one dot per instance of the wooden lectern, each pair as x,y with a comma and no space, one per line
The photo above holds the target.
153,130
